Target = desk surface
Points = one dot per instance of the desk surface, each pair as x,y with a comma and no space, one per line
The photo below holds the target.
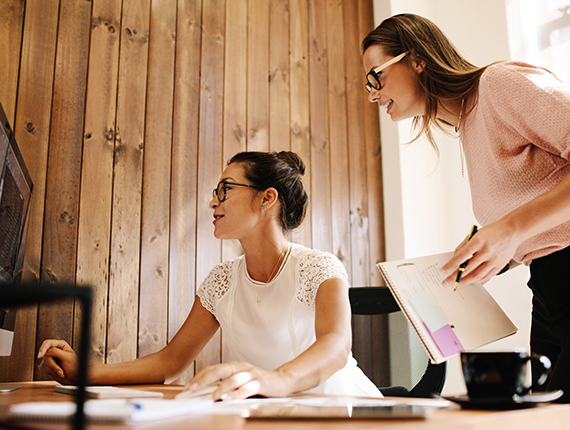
552,417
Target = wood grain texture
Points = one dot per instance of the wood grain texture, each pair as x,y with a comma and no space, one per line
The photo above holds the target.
300,128
279,100
210,153
126,112
258,76
155,228
61,213
124,262
320,166
183,195
94,235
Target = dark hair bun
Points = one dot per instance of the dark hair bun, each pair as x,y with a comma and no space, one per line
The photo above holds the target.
293,160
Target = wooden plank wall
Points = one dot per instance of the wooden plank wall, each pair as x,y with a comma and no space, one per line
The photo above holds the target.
126,112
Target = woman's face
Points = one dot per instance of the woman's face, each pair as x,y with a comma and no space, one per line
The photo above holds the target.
399,93
240,212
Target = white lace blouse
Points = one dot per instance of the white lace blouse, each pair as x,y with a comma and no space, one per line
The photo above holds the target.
269,324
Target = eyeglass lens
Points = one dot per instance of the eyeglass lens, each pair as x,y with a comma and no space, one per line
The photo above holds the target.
220,191
373,82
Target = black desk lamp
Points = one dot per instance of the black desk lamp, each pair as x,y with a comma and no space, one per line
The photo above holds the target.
25,294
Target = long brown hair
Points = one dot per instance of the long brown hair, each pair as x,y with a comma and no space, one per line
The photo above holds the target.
447,76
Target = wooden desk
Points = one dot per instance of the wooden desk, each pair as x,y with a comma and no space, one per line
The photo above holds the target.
551,417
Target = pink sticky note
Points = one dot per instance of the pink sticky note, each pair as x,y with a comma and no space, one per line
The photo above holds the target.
447,341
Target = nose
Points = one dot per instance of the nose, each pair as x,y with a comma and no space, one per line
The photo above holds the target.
373,95
214,202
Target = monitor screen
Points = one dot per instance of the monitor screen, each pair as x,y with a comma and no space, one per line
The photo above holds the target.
15,195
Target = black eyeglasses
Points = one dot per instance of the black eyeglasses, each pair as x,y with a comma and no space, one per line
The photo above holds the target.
373,77
222,188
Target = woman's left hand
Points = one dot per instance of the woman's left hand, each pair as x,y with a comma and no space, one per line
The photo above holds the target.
240,380
487,253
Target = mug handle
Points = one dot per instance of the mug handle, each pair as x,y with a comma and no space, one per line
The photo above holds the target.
546,366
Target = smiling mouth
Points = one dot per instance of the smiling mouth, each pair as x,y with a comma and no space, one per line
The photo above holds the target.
387,104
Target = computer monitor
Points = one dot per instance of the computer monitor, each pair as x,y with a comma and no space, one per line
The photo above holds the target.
15,194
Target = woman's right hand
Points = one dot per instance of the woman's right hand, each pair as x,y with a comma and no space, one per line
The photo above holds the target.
58,360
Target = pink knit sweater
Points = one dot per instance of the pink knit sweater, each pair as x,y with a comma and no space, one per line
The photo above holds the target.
517,146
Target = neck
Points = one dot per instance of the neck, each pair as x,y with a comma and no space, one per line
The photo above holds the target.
263,254
451,112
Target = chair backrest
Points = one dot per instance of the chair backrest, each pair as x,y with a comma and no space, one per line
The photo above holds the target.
379,301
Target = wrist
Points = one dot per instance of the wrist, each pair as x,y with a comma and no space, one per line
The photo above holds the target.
290,381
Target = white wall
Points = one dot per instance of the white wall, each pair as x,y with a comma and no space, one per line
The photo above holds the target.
427,203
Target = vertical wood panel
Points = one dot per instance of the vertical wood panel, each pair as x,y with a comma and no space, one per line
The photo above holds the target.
258,76
184,168
11,33
320,141
210,152
279,108
12,16
358,169
97,169
59,250
31,128
339,173
235,96
153,313
299,92
122,326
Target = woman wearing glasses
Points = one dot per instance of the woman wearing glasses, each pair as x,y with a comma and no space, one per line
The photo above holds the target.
283,308
513,122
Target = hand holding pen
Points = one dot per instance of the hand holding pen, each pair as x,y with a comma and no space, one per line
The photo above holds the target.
464,264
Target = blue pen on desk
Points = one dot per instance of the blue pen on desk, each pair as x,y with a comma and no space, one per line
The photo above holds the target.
464,264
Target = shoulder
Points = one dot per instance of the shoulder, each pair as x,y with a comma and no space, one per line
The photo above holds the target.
216,284
506,76
314,266
314,258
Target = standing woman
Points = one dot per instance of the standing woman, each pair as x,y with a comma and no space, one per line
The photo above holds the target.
283,308
513,121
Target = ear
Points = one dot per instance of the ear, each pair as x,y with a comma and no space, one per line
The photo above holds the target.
270,197
417,62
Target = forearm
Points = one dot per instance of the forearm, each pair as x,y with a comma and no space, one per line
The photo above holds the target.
318,363
150,369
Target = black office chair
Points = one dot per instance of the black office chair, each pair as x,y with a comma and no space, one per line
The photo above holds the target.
379,301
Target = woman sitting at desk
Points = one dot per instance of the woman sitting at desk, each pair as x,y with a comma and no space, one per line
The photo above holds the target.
283,308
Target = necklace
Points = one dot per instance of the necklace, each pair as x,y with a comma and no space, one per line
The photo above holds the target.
279,261
274,271
460,115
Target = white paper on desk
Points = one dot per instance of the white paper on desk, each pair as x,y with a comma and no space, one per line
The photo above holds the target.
109,410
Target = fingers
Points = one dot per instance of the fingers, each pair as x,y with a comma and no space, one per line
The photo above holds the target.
50,367
53,343
57,359
238,380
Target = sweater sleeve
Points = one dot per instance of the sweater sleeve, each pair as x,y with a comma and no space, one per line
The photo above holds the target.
531,101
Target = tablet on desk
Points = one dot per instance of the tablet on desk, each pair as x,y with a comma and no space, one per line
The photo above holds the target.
296,411
107,392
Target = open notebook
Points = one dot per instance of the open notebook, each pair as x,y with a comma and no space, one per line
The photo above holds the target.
447,321
107,410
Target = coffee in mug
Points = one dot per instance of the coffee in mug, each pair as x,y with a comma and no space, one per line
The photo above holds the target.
500,374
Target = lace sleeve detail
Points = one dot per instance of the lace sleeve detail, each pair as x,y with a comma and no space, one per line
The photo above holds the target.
315,267
216,284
